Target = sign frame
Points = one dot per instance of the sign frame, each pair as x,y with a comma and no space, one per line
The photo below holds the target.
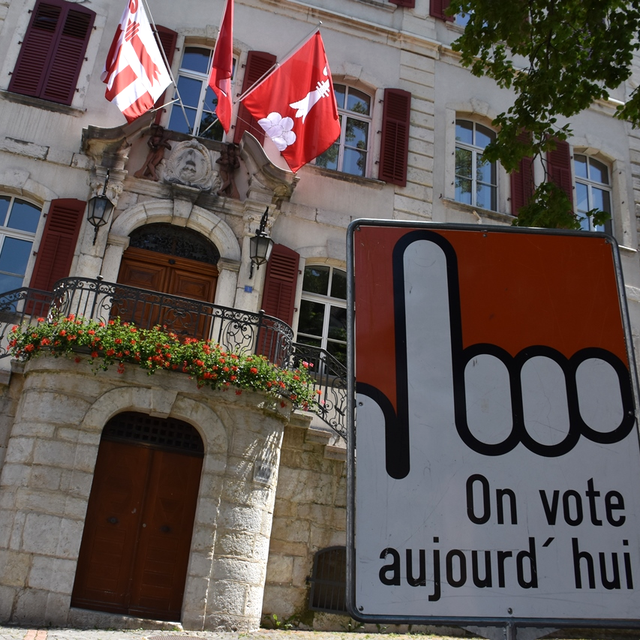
508,620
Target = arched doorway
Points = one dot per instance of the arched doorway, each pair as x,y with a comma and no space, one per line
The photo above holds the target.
137,534
170,259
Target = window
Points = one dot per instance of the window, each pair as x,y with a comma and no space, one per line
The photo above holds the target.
476,179
349,153
593,190
199,99
329,581
52,51
18,224
323,310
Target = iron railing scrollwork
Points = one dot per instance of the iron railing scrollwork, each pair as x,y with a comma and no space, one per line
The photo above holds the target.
234,329
330,378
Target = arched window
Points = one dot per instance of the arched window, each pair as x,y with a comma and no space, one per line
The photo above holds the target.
198,98
476,178
349,153
593,189
323,310
18,224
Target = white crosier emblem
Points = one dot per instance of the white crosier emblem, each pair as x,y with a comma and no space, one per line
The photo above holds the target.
280,129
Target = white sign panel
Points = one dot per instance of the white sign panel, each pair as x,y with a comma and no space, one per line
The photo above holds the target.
497,473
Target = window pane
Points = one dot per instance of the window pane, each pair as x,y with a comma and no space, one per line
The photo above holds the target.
486,197
598,171
196,59
8,283
24,216
485,171
14,256
316,280
580,165
484,136
339,90
190,91
358,102
357,133
463,190
584,223
339,284
582,197
329,159
354,162
338,323
338,351
464,131
4,207
601,200
311,318
177,122
463,162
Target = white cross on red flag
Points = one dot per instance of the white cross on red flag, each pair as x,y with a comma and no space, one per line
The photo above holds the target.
296,105
135,72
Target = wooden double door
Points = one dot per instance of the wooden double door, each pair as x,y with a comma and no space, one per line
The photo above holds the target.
163,273
137,535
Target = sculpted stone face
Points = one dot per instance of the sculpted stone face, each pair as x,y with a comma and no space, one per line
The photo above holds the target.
190,164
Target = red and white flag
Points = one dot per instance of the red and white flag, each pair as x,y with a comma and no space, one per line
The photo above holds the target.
135,72
222,68
296,105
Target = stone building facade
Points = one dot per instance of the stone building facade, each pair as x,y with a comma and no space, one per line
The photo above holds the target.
188,199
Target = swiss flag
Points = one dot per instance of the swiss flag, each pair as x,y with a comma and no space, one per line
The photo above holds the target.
135,73
222,68
296,105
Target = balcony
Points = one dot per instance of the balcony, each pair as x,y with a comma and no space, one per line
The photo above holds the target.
235,330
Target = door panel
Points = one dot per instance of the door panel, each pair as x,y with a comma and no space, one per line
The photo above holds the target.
137,537
111,525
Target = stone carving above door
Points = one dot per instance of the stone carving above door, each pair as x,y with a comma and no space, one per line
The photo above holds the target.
191,164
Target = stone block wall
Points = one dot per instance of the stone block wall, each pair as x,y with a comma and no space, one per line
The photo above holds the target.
309,515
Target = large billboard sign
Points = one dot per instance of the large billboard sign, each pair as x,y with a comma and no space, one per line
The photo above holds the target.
495,463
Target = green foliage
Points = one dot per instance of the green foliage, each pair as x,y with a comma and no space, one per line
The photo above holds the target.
157,349
558,57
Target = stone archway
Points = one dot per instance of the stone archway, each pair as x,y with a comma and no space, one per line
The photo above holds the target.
137,535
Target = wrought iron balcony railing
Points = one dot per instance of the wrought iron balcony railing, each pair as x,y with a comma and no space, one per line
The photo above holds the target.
235,330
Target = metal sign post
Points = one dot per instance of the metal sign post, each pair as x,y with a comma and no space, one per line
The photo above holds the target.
497,477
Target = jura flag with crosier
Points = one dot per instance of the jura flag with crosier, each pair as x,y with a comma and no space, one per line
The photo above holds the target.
135,72
296,105
222,68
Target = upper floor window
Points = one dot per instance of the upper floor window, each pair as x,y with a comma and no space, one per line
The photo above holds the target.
52,51
323,310
593,189
350,151
18,224
198,98
476,179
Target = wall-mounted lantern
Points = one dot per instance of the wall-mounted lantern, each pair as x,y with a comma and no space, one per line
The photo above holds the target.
99,209
261,245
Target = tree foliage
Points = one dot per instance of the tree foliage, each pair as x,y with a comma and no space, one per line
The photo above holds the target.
558,56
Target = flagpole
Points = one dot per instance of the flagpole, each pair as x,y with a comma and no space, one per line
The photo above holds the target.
166,63
277,64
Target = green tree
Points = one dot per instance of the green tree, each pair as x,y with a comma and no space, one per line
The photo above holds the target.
558,56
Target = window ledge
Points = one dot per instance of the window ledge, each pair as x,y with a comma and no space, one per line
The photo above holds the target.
480,214
347,177
39,103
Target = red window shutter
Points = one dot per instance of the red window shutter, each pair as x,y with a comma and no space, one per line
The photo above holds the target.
280,283
394,146
167,39
559,167
52,51
58,243
404,3
437,9
258,63
522,180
